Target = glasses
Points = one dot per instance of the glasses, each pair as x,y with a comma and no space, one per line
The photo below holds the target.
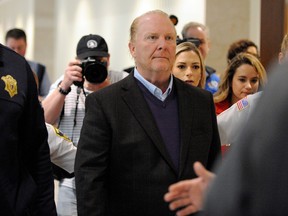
197,42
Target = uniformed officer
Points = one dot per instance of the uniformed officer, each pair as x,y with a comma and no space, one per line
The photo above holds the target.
26,180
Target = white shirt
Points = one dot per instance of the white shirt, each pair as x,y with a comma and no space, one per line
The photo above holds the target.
157,92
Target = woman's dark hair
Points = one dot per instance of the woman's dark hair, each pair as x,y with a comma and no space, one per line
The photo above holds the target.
239,46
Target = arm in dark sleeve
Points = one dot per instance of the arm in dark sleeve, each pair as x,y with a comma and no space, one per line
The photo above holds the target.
36,151
91,162
215,149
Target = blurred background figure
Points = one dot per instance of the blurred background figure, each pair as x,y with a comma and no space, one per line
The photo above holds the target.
240,46
16,40
195,30
283,54
174,19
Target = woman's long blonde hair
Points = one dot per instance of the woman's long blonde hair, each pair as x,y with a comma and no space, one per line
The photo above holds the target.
188,46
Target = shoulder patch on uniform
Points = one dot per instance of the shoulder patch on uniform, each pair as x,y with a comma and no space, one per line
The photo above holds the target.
60,134
10,85
242,104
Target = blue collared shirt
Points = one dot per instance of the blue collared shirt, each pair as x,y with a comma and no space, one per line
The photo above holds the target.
157,92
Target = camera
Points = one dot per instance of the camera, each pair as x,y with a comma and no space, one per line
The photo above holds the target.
195,41
93,70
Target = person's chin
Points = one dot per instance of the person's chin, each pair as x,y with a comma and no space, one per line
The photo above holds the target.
161,66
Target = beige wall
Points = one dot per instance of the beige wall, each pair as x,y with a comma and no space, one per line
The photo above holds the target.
21,14
54,27
229,21
36,17
111,19
44,34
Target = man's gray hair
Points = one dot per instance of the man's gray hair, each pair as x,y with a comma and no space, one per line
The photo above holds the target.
194,25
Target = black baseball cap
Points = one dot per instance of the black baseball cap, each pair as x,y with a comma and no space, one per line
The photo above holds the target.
92,45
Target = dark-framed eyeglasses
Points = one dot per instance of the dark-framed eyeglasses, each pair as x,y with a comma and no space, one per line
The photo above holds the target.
196,41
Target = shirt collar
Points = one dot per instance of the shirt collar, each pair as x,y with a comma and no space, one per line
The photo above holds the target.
157,92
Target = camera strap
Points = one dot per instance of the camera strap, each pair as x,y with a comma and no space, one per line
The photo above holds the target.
76,108
78,92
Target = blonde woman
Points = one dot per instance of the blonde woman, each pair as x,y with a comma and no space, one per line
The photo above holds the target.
243,76
189,65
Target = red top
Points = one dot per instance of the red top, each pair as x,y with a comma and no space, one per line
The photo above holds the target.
222,106
219,108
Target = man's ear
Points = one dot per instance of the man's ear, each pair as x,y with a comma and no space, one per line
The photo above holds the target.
209,44
280,58
108,61
132,49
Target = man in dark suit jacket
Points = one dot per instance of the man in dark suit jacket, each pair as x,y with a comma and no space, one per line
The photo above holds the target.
26,180
136,141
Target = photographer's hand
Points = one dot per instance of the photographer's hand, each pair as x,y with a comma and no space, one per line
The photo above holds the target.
72,73
53,103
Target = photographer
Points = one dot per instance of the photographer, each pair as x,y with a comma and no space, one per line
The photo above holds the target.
65,103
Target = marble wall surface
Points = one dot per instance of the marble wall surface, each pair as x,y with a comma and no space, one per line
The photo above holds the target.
229,21
54,27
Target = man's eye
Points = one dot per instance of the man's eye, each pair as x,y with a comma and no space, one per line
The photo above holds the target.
169,38
152,37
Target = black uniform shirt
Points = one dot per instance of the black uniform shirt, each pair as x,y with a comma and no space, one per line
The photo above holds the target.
26,180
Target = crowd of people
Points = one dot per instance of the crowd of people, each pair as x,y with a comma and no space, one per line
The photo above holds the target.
147,142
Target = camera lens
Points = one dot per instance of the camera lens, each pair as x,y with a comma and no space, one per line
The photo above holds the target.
95,72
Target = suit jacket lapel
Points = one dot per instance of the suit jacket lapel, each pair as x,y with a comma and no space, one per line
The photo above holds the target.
186,118
134,99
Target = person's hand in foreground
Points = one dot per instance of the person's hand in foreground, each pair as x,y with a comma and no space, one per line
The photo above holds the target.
188,195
